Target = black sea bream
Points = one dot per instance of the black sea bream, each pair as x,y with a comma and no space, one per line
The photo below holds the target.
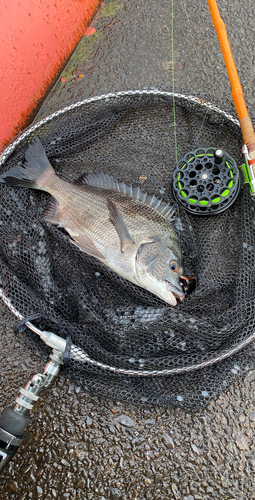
127,230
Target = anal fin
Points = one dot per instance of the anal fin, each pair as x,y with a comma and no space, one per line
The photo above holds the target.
119,224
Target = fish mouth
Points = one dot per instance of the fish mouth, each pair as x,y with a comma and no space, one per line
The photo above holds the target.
175,293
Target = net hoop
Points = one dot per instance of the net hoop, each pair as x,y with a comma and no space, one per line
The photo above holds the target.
77,354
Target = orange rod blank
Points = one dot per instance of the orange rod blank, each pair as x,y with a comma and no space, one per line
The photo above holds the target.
237,93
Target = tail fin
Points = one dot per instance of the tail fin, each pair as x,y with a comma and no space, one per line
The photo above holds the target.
35,167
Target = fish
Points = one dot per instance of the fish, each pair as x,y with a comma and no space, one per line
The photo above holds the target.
123,227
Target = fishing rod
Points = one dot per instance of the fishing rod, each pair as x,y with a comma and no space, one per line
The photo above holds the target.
238,98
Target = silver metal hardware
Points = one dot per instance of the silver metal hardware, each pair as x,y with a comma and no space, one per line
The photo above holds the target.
30,394
247,170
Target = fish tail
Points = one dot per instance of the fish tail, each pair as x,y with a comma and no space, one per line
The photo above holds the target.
35,171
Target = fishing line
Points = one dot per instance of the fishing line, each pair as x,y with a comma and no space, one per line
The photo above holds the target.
201,61
174,114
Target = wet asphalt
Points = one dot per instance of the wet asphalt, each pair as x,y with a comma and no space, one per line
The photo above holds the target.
83,447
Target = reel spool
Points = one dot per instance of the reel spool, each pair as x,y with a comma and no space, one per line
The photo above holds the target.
206,181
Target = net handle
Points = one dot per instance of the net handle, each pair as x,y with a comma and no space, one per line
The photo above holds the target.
237,93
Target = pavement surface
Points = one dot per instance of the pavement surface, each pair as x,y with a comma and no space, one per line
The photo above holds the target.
83,447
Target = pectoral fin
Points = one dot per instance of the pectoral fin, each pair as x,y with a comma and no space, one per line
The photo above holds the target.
119,224
86,245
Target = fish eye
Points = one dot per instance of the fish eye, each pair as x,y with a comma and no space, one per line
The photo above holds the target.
174,266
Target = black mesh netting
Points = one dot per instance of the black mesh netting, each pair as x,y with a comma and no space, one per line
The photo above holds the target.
131,137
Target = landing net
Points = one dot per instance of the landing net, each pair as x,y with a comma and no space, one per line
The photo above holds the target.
170,356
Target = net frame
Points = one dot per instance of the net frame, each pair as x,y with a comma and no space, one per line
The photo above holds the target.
76,353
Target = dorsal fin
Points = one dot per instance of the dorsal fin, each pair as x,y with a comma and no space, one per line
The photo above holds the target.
107,182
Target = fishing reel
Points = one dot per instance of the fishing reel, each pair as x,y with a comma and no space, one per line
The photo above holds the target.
206,181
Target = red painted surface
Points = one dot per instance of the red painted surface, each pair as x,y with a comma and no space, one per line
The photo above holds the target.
36,37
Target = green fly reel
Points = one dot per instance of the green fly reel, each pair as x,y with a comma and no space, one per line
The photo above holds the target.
206,181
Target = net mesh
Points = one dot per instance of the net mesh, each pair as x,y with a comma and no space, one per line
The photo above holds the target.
131,137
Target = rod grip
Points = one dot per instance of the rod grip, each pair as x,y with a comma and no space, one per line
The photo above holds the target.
13,422
248,132
12,427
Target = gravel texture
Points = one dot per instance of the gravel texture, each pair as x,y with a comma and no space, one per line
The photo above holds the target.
83,447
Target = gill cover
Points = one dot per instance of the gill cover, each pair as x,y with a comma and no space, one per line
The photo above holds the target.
159,268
